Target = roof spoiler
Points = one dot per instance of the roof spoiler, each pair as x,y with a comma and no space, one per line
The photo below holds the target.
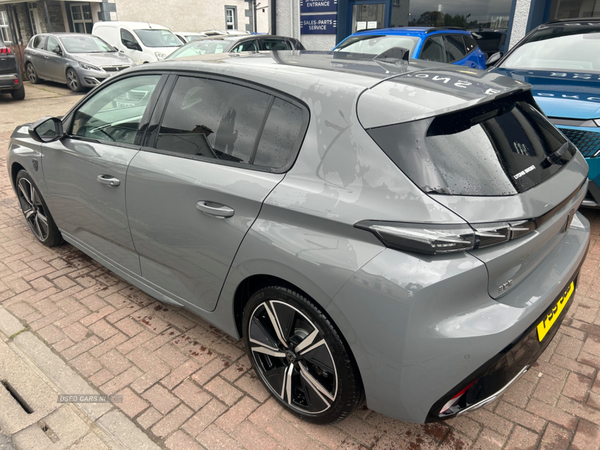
394,55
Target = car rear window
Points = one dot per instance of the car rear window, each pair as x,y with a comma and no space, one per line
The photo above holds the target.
376,44
501,148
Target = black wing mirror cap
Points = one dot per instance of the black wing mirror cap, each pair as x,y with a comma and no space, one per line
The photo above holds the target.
493,59
46,129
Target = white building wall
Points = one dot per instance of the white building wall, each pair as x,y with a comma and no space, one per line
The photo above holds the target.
188,15
519,21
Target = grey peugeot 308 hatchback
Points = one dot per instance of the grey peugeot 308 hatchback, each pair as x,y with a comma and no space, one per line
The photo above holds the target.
398,229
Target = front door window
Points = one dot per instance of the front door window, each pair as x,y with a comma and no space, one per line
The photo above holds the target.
113,115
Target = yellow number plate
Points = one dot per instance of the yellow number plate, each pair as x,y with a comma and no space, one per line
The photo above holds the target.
545,325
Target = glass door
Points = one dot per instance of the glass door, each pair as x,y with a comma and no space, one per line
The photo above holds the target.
367,16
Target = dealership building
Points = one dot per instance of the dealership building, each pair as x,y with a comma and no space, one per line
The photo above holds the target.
321,24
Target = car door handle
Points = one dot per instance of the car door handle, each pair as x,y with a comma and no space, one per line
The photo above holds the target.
109,180
214,209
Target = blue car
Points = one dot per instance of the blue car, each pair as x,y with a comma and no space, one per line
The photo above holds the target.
443,44
561,60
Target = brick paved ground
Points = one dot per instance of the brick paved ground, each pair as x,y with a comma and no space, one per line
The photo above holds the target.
190,387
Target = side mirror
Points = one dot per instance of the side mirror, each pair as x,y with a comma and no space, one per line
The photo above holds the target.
57,50
46,129
493,59
132,45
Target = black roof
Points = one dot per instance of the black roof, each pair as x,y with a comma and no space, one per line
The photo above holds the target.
432,29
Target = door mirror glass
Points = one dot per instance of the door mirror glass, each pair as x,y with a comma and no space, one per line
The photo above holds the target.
493,59
47,129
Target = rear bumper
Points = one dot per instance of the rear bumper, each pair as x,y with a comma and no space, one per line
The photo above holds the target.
494,377
9,82
421,329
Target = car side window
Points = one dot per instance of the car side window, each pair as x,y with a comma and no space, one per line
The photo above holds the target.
52,44
281,136
212,119
276,44
433,49
113,114
127,38
470,44
455,47
248,46
39,42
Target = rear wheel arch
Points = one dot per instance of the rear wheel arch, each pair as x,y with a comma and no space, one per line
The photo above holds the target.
252,284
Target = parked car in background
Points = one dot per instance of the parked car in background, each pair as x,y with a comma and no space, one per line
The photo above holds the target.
236,44
186,37
561,60
408,231
11,80
77,59
142,41
490,40
442,44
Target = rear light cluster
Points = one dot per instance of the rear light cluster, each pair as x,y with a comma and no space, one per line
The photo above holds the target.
433,239
4,51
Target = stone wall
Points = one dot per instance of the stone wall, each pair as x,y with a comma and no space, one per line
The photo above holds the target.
190,15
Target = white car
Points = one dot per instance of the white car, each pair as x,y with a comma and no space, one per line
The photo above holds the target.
142,41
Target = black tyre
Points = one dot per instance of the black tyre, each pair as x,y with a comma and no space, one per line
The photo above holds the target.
18,94
73,81
32,75
36,212
300,356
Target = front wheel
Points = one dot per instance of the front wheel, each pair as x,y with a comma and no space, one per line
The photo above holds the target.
36,212
73,81
299,356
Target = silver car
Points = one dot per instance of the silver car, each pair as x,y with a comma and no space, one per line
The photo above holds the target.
79,60
402,230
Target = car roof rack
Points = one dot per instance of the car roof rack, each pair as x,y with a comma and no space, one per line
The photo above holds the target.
432,29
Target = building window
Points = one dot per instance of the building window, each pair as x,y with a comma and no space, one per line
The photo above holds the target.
4,31
81,15
34,18
231,18
571,9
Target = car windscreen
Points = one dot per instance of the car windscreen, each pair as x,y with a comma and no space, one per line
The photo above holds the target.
573,48
501,148
85,44
158,38
376,44
201,47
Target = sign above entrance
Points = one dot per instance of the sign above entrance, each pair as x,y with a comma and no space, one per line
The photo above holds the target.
311,6
318,24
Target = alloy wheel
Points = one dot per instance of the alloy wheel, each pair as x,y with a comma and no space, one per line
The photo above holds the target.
31,75
72,80
33,209
292,357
